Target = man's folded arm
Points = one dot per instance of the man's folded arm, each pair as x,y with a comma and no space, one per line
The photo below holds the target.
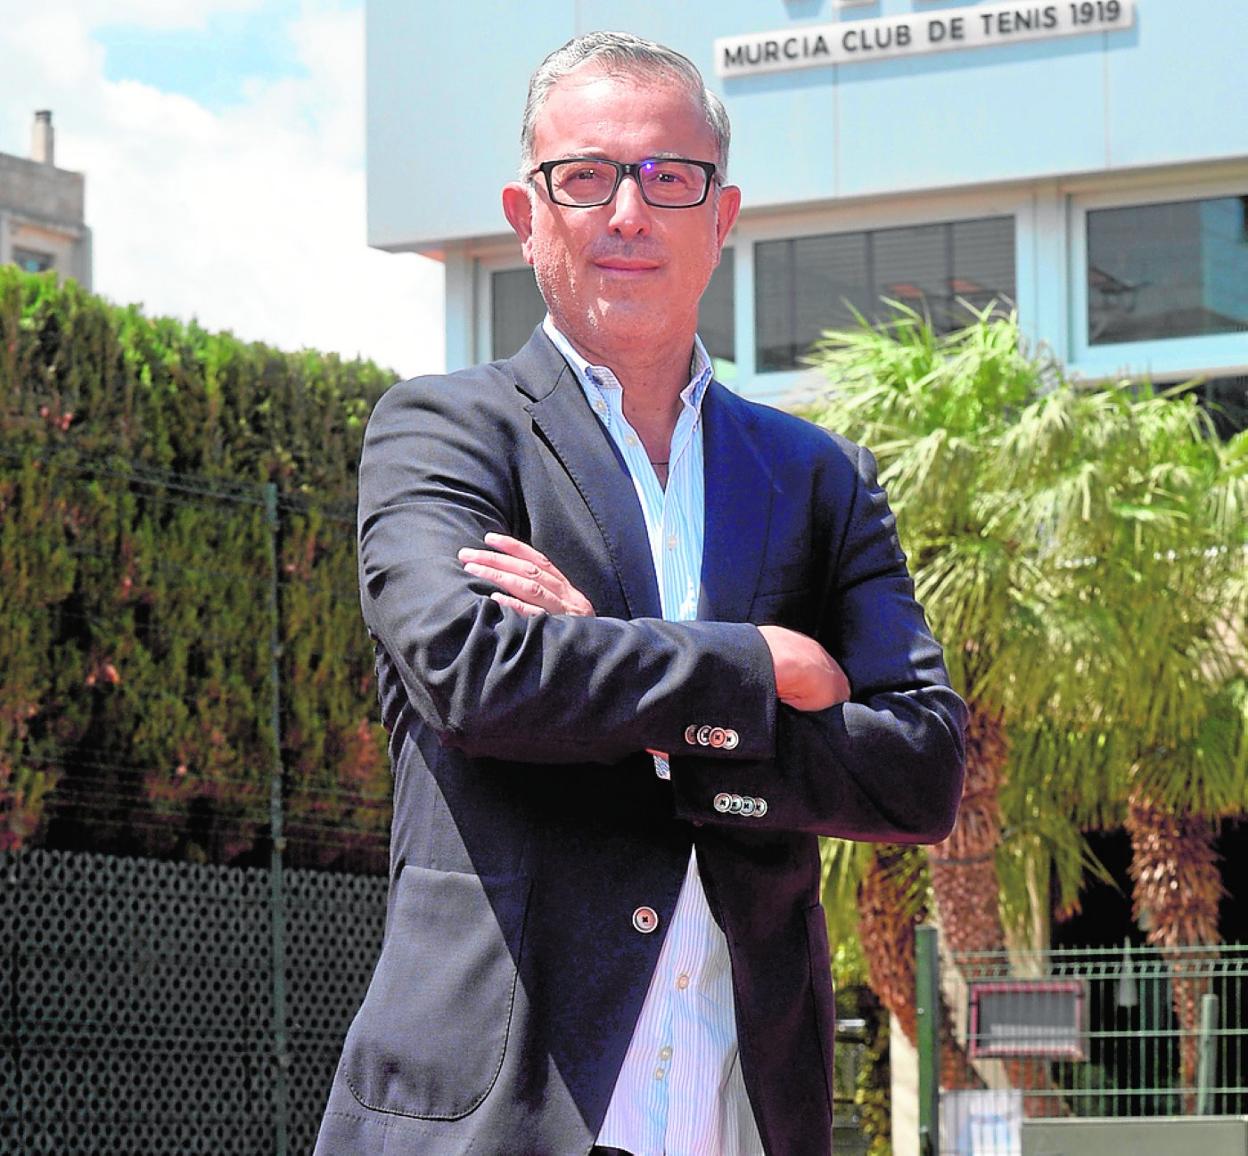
886,765
492,681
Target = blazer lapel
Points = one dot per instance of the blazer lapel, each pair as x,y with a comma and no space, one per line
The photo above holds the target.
739,494
593,462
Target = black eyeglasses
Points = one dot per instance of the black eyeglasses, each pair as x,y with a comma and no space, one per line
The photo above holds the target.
665,182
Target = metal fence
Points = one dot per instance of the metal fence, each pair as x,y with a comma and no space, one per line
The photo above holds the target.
1129,1033
137,1003
188,741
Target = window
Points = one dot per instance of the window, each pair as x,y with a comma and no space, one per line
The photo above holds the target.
1175,269
1226,398
516,307
32,260
717,319
805,285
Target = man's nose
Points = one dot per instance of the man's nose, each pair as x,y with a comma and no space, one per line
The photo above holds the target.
630,215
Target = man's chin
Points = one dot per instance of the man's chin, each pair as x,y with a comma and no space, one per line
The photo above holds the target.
630,319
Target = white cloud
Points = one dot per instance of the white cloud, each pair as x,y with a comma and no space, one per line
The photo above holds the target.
146,13
250,219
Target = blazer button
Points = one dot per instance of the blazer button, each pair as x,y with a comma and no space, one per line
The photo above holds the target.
735,803
731,739
717,737
722,802
645,919
704,735
691,735
760,808
747,805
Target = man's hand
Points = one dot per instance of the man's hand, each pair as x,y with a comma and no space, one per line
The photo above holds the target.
531,584
807,676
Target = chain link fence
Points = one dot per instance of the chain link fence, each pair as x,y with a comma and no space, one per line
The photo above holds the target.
139,1009
194,807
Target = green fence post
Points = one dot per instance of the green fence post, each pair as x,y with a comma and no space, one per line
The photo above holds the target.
1206,1072
281,1053
927,1010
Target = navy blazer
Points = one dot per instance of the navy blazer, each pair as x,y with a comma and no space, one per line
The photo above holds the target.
528,822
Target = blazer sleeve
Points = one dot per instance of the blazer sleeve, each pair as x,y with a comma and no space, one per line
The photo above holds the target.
888,764
441,465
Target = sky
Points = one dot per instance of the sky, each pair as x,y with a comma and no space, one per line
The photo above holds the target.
223,147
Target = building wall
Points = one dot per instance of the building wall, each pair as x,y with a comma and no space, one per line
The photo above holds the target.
1043,132
42,218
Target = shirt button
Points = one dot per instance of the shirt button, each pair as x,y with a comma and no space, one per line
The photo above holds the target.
600,406
630,440
665,1053
671,541
682,982
658,1073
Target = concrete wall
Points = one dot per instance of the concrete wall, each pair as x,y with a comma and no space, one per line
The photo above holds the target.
42,210
42,191
1206,1135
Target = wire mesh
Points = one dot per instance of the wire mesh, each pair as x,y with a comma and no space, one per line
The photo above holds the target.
136,1002
187,730
1125,1033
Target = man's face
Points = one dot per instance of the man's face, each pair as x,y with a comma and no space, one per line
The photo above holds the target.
624,272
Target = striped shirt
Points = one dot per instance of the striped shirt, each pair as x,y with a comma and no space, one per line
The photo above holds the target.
680,1091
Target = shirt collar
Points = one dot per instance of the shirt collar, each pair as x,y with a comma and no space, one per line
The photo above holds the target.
601,376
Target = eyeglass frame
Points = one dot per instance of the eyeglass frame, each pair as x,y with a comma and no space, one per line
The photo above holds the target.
627,169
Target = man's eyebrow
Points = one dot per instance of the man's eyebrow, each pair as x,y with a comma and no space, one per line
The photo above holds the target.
597,154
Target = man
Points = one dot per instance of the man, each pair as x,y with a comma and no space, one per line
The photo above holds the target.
639,642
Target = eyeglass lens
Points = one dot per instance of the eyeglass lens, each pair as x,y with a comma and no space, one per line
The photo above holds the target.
666,183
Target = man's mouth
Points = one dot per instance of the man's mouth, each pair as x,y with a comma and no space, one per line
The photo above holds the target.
625,259
619,264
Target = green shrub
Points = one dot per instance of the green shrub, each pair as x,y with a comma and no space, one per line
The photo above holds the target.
137,574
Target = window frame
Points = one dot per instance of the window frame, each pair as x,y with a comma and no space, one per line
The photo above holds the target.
793,385
1158,359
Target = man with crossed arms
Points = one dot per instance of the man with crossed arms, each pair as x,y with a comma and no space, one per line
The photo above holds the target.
639,642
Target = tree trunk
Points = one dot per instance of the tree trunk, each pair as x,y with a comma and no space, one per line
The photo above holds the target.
964,866
1176,889
890,906
964,879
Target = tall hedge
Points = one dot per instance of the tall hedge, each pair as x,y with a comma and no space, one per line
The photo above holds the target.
137,579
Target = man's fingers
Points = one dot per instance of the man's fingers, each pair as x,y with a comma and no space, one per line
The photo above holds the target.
526,574
494,560
528,590
506,544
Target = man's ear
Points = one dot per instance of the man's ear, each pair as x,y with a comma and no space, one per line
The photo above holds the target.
518,209
728,205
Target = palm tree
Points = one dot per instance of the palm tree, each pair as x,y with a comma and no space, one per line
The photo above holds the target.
1133,489
1080,554
936,410
892,888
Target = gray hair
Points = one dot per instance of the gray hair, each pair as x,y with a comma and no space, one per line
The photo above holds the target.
620,52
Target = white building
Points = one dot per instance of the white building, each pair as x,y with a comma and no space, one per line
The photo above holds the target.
42,219
1086,160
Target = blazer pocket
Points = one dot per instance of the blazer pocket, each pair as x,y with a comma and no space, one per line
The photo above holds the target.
430,1036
